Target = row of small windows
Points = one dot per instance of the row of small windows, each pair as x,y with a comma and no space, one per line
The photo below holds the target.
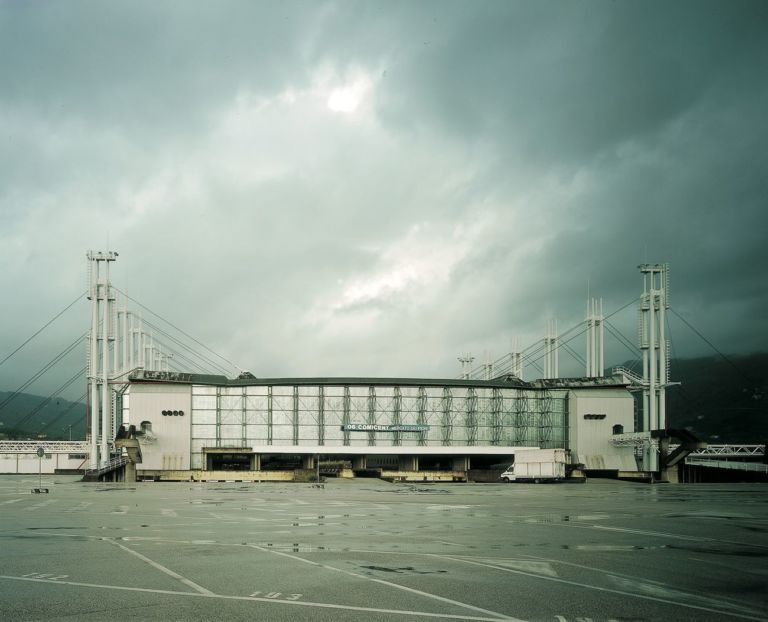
173,413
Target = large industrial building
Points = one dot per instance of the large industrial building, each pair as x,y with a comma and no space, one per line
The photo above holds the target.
193,426
162,424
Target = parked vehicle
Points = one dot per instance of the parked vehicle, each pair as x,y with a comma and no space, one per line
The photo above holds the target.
538,465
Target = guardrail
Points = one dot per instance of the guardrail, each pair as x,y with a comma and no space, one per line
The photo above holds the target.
50,447
113,464
754,467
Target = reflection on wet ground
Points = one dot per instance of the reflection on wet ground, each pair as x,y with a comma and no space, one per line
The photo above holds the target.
602,551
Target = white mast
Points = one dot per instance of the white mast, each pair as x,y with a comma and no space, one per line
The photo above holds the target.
595,335
99,357
652,332
551,351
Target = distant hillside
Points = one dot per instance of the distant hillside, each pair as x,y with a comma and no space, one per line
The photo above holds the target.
718,401
721,402
51,418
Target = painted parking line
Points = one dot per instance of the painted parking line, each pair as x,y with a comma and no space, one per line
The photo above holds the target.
641,532
161,568
39,506
383,582
667,601
294,603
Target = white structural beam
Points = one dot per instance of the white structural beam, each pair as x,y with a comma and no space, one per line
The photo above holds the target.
595,339
101,358
50,447
551,351
653,344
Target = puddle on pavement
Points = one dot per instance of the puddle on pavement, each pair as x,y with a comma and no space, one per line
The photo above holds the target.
402,570
610,547
737,551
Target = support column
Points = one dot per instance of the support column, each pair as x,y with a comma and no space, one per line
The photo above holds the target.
130,472
93,364
106,403
359,463
408,463
653,305
461,463
308,462
256,462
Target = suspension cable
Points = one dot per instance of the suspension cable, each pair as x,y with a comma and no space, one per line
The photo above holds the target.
178,329
78,375
711,345
58,417
43,370
46,325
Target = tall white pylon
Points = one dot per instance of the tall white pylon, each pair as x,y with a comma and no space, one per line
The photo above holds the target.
551,351
655,348
466,361
516,358
595,339
102,310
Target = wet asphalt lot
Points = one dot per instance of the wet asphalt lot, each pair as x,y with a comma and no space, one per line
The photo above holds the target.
370,550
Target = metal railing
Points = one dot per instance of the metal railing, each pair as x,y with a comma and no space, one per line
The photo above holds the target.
50,447
113,464
755,467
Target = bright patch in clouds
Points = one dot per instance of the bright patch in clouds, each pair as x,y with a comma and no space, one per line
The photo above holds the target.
415,267
348,98
343,100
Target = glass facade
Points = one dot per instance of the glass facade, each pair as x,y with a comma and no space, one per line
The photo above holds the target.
311,415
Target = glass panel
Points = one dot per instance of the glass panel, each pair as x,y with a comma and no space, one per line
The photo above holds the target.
231,402
203,417
260,402
232,431
282,435
204,431
203,402
231,416
202,390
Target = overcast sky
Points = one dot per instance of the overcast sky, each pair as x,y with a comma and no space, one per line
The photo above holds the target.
374,188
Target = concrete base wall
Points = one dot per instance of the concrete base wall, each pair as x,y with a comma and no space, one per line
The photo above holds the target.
424,476
219,476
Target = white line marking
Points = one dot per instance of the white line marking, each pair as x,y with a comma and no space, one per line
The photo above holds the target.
660,534
10,501
32,508
297,603
388,583
602,589
162,568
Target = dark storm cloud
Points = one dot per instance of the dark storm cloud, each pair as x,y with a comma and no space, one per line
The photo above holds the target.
482,165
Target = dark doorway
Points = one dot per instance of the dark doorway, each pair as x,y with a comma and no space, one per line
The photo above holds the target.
230,462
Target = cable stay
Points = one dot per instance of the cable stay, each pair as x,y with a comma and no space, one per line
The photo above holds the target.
574,354
223,358
537,350
80,402
192,351
43,370
46,325
78,376
711,345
